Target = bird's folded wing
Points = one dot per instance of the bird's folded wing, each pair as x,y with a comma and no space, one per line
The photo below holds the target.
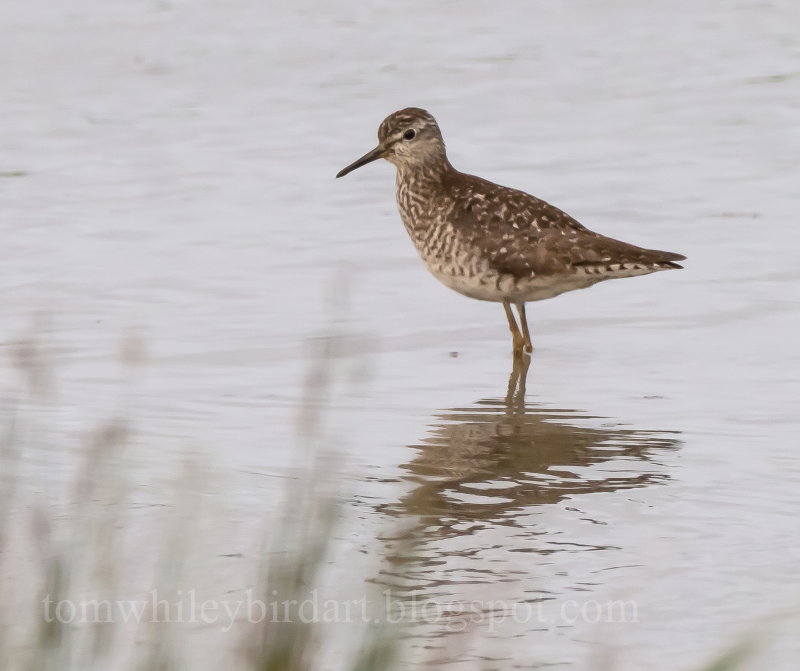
521,235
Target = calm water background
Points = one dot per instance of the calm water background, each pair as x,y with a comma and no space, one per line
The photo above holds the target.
167,174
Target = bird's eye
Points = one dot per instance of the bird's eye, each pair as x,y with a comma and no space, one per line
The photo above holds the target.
410,134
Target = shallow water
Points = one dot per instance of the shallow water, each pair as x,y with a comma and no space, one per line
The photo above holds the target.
166,177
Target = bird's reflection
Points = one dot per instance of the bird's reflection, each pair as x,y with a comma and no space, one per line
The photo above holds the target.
501,456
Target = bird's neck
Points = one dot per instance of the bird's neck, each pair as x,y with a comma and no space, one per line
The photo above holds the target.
422,181
427,174
420,191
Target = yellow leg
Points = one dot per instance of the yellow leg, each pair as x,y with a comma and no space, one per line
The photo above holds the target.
517,338
515,396
525,333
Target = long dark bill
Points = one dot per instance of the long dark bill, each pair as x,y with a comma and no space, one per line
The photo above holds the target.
369,157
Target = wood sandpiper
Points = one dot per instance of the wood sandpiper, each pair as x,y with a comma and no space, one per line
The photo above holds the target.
491,242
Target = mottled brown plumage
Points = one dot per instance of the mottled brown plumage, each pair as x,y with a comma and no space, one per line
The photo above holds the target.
491,242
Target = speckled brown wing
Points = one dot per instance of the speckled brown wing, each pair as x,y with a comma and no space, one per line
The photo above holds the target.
598,250
524,236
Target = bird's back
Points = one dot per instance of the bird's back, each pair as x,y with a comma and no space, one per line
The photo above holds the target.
521,235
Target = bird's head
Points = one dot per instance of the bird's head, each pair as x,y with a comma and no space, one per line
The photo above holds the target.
409,138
